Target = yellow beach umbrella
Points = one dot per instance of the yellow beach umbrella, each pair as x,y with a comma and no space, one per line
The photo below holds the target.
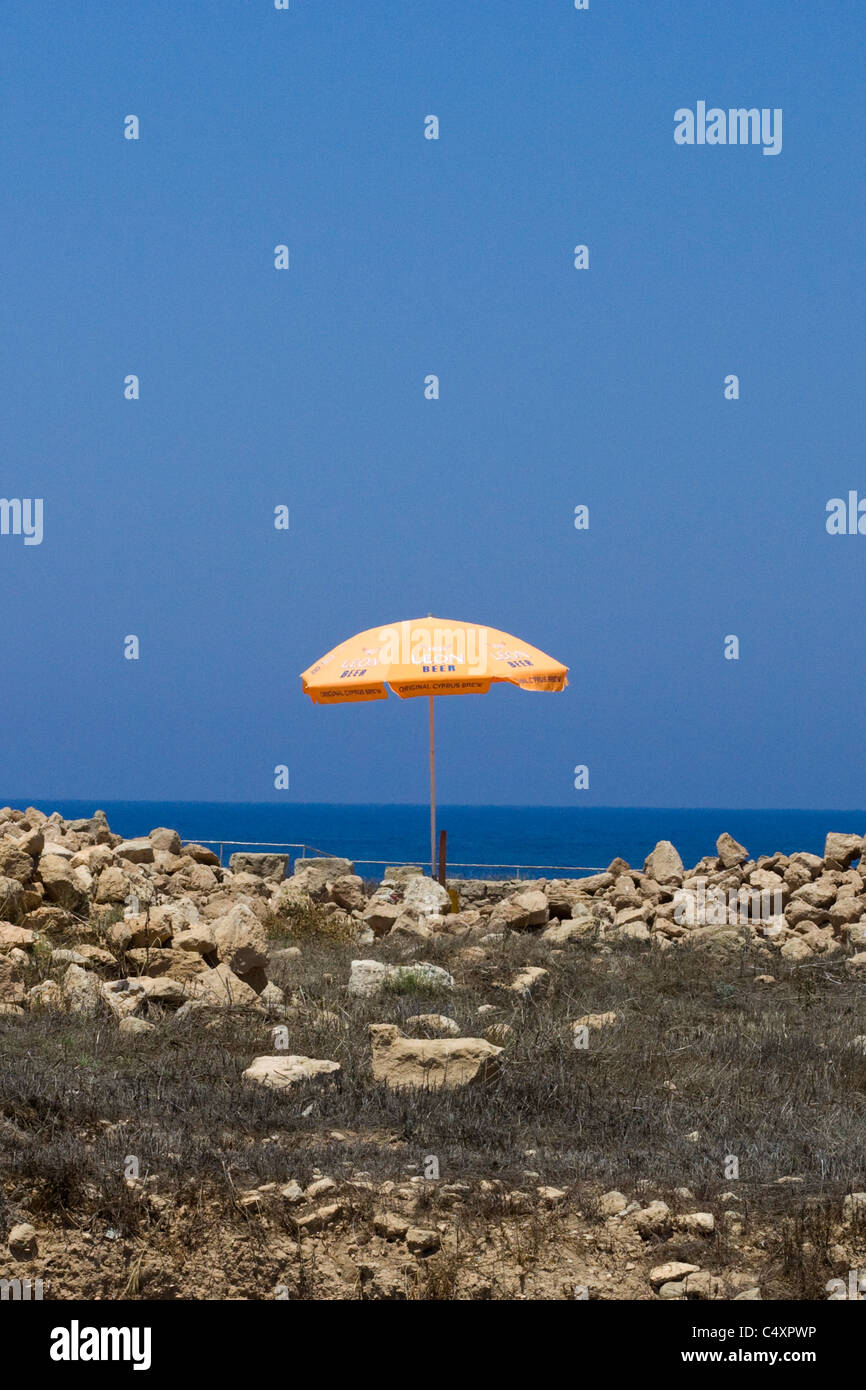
429,656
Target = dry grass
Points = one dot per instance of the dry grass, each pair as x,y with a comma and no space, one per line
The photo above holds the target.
763,1073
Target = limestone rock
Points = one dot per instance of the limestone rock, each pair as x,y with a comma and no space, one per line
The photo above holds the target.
366,978
731,853
136,851
435,1023
15,862
199,939
22,1242
429,1063
240,940
80,990
318,1219
271,867
281,1072
595,883
654,1220
532,980
422,1241
424,897
123,997
595,1022
520,912
47,995
844,911
312,876
15,936
163,990
418,975
60,884
390,1225
634,929
347,892
575,929
796,949
144,932
566,899
165,961
222,988
162,838
664,864
840,849
200,854
701,1223
112,886
381,917
134,1027
673,1271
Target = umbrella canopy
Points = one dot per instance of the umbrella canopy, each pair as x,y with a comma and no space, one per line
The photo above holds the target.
429,656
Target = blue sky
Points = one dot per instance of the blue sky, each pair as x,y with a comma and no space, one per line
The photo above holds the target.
557,387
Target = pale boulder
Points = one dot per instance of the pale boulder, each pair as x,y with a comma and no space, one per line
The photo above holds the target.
165,961
60,883
381,917
559,933
664,864
429,1063
271,867
673,1271
796,949
22,1242
731,853
136,851
347,892
520,912
135,1027
312,876
240,940
529,982
197,938
164,839
47,995
11,982
281,1072
80,990
595,1022
435,1023
123,997
112,886
424,897
200,854
366,978
15,861
841,849
220,987
15,937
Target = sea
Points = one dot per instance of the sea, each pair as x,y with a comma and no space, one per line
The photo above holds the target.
482,841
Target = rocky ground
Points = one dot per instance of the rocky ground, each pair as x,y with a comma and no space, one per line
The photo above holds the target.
229,1083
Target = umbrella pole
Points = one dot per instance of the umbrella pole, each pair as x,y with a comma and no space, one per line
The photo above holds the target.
432,795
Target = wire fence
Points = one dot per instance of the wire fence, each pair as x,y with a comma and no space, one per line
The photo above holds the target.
311,852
